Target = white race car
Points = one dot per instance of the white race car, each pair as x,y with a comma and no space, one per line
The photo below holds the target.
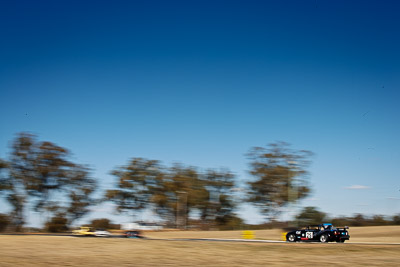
102,233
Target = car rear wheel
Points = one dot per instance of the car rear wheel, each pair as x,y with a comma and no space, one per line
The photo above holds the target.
291,238
323,238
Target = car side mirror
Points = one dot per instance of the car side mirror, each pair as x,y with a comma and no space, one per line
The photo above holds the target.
346,227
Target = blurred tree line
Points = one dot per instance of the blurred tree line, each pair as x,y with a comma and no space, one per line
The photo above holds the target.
40,176
174,192
312,216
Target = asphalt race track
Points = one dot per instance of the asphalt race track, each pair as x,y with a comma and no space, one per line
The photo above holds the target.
211,239
269,241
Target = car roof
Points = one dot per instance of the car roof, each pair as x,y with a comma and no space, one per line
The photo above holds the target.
319,225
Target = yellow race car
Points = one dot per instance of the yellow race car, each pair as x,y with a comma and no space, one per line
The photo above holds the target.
84,231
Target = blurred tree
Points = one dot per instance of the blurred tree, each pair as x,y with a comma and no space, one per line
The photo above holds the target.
359,220
80,193
185,191
220,205
280,175
145,184
11,194
17,201
41,173
101,223
137,182
4,221
341,221
4,178
41,167
208,193
229,222
57,224
378,220
310,216
396,219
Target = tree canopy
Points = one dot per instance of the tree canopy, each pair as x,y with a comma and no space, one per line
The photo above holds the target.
40,174
310,216
280,177
172,192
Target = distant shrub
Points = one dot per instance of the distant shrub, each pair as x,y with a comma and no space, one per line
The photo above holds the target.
103,223
378,220
310,216
229,222
396,220
4,222
57,224
341,221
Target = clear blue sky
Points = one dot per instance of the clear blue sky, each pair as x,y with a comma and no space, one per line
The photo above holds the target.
200,82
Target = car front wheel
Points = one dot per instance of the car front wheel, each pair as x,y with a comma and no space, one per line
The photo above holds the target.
323,238
291,238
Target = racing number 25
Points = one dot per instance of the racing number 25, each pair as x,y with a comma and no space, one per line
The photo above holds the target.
309,235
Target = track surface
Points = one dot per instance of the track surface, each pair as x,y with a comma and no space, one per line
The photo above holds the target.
213,239
269,241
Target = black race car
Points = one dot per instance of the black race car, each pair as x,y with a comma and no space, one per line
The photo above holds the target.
323,233
133,234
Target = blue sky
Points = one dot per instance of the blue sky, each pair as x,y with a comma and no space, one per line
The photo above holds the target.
200,82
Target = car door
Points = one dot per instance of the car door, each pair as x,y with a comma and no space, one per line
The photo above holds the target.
312,233
307,234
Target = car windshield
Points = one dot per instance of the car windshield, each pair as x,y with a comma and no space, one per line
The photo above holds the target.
329,227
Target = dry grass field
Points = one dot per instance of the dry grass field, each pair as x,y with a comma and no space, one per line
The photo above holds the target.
74,251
